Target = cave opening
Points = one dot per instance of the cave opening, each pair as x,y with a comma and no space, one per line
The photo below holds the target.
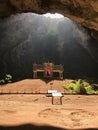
29,38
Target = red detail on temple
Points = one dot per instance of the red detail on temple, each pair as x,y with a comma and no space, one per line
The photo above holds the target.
48,71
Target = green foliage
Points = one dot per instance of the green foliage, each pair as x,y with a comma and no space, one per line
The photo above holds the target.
80,87
90,90
77,87
7,79
2,81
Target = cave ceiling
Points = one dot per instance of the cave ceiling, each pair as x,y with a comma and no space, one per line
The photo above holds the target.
84,12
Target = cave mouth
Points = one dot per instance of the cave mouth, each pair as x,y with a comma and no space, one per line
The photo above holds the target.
29,38
53,16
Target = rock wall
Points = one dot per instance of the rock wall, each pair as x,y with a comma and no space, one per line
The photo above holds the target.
26,39
84,12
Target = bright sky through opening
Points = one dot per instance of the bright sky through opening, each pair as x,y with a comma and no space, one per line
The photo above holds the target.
54,16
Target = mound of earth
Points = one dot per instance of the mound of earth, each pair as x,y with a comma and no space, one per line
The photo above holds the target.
33,86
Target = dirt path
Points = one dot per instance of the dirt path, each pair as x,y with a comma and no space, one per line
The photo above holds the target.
76,112
37,112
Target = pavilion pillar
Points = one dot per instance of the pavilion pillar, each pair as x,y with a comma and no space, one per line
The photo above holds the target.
60,75
35,75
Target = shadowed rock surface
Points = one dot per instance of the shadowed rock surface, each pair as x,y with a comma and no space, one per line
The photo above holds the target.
27,38
35,127
83,12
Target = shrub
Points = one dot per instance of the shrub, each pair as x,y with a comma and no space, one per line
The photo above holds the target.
80,87
77,87
7,79
2,81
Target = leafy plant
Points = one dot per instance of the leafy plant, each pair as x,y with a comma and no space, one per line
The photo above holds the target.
2,81
90,90
80,87
7,79
77,87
